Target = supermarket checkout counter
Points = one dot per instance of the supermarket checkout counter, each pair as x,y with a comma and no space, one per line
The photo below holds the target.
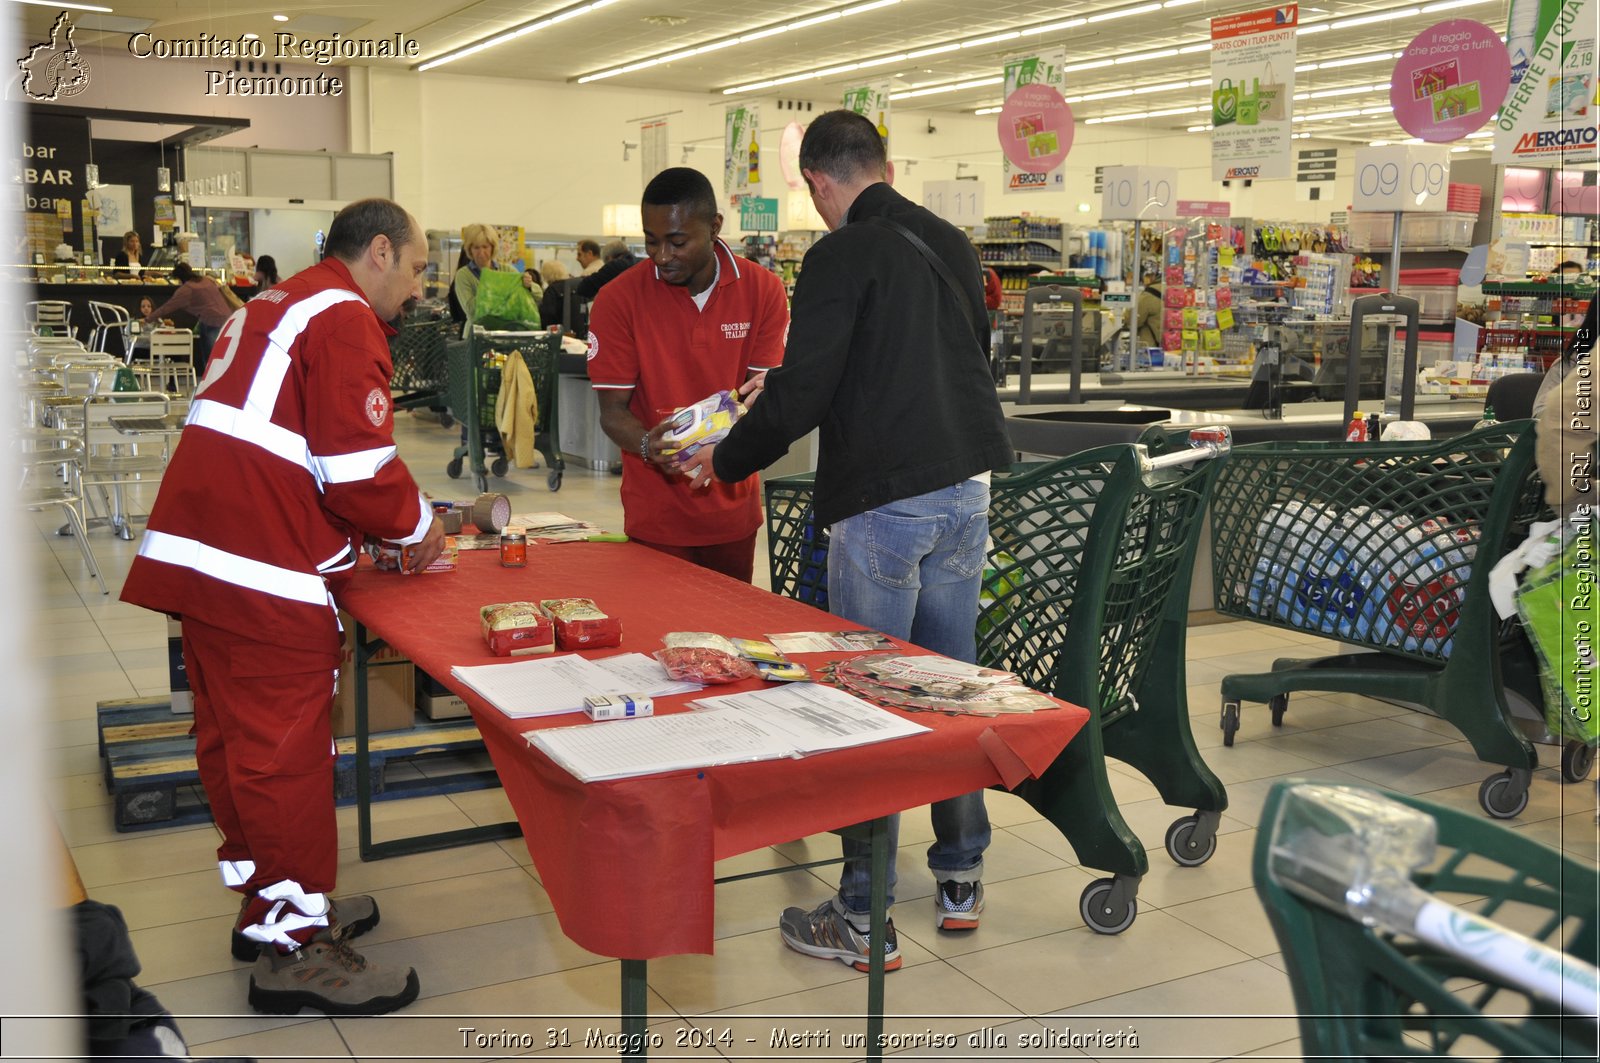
1157,387
1057,430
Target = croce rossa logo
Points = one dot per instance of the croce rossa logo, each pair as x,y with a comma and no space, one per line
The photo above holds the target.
55,69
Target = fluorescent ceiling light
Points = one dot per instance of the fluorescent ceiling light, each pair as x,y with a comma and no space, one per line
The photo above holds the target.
1190,49
814,20
1450,5
1357,60
872,6
1378,16
1199,128
1107,16
1316,28
993,38
1141,57
1326,116
988,110
1094,65
1179,3
513,33
74,7
960,86
938,50
1051,27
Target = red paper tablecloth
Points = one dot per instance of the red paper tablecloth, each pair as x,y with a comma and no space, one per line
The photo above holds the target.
628,863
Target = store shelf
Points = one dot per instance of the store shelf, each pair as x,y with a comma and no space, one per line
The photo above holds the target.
1408,249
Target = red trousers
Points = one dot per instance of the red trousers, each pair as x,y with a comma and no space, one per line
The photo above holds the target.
264,745
736,559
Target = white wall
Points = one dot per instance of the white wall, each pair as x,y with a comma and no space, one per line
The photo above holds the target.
548,155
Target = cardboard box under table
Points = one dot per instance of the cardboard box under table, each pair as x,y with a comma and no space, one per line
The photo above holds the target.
672,827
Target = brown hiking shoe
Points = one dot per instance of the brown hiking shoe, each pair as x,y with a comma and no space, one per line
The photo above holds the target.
348,917
329,976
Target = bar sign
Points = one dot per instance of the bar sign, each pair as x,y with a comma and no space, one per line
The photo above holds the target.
1316,164
1099,179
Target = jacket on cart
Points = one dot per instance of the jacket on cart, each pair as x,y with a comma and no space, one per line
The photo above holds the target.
288,452
886,360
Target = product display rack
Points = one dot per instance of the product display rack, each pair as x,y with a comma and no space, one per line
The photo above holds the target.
1016,246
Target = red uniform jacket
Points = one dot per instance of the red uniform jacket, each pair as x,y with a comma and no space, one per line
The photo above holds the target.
288,451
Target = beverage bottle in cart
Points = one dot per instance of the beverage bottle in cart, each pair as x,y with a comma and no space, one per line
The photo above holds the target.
1356,430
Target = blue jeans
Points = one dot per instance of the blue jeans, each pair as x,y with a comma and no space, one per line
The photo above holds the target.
912,569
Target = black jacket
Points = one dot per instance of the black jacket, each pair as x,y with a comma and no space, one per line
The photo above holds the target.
884,358
589,286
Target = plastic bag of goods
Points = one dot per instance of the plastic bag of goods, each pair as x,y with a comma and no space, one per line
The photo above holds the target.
702,657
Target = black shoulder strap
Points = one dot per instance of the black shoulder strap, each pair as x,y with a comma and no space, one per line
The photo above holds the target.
939,265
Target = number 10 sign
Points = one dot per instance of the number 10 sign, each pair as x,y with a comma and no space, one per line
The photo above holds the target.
1413,178
1142,192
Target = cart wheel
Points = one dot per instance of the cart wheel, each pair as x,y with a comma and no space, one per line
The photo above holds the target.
1230,721
1492,795
1577,760
1181,846
554,479
499,466
446,421
1098,916
1278,705
453,469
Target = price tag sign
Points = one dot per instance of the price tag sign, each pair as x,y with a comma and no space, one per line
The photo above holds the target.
958,202
1139,192
1414,178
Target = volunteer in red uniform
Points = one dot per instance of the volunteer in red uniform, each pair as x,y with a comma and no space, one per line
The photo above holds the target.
288,454
689,322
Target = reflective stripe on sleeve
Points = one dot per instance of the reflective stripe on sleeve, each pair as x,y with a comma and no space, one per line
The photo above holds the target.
348,468
424,522
236,873
231,568
248,426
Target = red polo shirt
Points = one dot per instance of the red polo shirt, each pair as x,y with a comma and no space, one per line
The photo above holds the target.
648,336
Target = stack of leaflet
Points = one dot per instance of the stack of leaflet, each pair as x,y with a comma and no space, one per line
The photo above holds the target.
559,684
936,684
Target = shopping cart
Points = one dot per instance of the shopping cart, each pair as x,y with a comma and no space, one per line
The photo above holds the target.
474,384
418,353
1386,546
1411,930
1085,595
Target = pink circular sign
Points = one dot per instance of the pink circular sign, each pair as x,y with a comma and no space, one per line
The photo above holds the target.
1450,80
1035,127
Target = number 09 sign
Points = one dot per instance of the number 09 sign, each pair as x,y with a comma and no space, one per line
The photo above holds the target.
1414,178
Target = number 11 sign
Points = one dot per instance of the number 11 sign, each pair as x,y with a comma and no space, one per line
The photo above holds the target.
1410,178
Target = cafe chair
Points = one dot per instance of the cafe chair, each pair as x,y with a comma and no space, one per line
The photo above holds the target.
42,455
171,357
48,317
126,442
108,318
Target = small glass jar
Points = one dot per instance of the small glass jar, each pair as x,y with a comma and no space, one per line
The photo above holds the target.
514,548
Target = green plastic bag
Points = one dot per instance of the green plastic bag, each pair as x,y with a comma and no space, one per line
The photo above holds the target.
1557,604
503,302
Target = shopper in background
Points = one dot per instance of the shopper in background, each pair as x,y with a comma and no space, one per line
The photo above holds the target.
534,283
552,304
131,258
298,416
616,260
887,355
1579,348
266,272
478,243
699,322
203,298
1149,311
589,260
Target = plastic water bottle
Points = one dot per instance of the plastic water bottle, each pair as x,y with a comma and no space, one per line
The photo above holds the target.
1521,25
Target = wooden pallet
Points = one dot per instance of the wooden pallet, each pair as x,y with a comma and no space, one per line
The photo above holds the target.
150,770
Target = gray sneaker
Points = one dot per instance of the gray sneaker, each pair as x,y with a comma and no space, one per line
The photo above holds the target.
348,917
329,976
825,932
957,905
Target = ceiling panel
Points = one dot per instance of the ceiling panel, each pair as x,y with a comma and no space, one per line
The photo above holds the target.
628,31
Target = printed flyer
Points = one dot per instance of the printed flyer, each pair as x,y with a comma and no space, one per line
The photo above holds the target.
1549,118
1252,93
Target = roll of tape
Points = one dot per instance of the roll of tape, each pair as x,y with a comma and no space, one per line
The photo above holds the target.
491,512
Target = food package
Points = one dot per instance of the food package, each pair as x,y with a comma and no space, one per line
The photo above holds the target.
707,421
702,657
580,625
517,629
445,562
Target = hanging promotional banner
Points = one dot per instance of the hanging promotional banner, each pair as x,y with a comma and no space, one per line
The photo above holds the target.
741,153
652,148
1045,71
1252,93
1549,117
1035,128
872,101
1450,80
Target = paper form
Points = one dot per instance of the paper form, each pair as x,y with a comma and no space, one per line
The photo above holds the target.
788,721
559,684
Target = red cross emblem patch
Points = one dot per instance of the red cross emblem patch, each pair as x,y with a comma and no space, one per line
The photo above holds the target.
377,406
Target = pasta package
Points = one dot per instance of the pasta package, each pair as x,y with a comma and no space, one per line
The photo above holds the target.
517,629
580,625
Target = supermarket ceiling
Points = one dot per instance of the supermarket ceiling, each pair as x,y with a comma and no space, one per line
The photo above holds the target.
1142,62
